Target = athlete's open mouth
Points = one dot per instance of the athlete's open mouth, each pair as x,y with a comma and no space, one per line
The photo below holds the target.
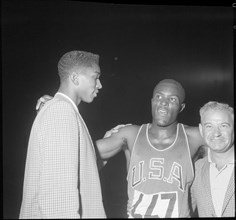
162,111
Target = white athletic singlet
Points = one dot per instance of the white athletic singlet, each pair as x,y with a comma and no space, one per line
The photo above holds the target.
159,180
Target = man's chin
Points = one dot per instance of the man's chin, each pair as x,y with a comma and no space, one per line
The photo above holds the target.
88,100
162,123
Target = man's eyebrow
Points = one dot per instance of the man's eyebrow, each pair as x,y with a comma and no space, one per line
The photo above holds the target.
176,96
207,123
227,123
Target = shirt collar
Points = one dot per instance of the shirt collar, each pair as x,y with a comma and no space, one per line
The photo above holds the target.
209,155
69,99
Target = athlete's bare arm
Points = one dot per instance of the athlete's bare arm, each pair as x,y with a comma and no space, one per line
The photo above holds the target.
195,139
121,140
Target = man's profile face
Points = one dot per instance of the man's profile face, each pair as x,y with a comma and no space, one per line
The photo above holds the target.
217,129
166,103
89,83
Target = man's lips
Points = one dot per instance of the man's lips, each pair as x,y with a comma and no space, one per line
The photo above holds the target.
217,139
162,111
95,93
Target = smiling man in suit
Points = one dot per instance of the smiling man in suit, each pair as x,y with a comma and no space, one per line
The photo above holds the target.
213,189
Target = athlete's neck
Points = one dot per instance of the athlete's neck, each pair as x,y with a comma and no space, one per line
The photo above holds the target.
162,137
163,131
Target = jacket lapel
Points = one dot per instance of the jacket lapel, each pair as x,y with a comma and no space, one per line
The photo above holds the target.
207,187
230,192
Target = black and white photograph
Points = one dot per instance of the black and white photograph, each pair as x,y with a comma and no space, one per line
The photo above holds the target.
117,110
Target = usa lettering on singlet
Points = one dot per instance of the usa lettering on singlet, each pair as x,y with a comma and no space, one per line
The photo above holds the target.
158,180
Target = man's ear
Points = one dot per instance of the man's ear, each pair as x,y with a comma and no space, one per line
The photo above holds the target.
200,129
182,107
74,78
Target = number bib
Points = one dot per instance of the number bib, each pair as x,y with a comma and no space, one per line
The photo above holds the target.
159,205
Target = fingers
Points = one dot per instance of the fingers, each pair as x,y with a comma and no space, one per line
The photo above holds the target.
47,97
37,106
115,129
108,134
42,101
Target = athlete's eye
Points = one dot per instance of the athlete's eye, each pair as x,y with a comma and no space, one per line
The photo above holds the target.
157,96
173,99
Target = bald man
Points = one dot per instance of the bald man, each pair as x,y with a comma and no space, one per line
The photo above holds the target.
159,156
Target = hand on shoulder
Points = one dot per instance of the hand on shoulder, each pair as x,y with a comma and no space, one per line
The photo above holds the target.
114,130
41,101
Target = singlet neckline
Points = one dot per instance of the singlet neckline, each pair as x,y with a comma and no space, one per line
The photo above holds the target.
176,136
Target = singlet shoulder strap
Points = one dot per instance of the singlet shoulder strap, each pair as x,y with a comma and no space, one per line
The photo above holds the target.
131,153
137,137
187,142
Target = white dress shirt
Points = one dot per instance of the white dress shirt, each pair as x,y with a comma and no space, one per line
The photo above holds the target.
219,180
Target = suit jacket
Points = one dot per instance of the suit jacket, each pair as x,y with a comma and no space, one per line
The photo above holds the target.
51,172
201,192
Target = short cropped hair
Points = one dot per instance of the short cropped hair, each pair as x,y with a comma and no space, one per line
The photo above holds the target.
216,106
74,59
178,84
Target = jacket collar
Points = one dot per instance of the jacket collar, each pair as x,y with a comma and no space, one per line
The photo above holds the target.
229,192
206,182
68,99
207,188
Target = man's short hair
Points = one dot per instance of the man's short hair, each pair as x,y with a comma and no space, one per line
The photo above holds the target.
75,59
174,82
216,106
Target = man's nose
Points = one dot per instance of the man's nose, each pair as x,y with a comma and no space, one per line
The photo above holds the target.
217,132
163,102
99,84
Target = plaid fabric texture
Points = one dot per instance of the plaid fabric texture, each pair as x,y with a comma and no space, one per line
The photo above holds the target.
51,172
201,192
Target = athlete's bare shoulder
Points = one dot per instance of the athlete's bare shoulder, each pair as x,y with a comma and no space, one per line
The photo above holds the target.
118,138
192,130
128,134
194,138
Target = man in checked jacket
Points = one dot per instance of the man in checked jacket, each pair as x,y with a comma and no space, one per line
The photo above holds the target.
213,189
61,175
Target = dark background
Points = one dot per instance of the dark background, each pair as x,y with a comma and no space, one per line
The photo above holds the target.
138,46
